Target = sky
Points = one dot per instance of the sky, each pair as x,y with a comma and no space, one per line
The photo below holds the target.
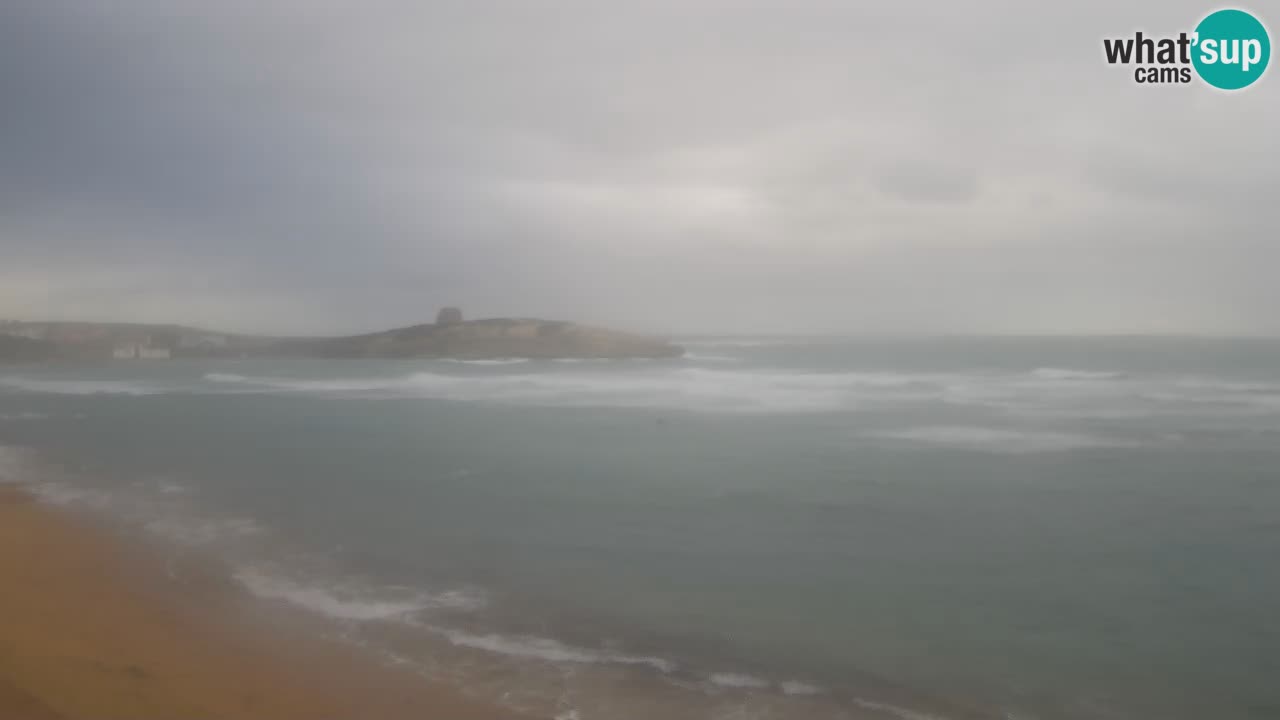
666,166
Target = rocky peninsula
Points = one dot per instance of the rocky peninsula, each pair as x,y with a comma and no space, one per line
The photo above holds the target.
450,336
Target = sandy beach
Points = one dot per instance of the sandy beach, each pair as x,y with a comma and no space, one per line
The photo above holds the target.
94,626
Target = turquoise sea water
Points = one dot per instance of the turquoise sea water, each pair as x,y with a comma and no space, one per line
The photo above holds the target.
767,528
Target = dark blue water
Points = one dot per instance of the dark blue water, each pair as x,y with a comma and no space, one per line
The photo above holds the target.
947,528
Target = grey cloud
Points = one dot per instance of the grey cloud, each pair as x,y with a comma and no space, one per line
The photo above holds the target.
929,184
668,166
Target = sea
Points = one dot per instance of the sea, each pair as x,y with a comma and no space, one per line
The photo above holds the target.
892,528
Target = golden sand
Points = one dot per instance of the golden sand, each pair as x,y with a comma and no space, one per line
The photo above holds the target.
95,627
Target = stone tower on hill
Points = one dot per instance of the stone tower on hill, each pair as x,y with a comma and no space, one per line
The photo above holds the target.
449,316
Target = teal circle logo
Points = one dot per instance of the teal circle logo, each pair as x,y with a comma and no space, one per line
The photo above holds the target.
1231,49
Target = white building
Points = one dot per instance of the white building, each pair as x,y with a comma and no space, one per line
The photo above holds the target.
17,329
132,350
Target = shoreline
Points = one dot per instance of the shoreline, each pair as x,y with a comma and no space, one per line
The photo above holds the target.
97,623
207,635
94,626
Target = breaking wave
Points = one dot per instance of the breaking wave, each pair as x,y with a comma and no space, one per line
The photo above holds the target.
225,378
195,531
352,602
795,687
24,417
998,440
1053,373
738,681
895,711
78,387
713,383
547,649
486,362
676,388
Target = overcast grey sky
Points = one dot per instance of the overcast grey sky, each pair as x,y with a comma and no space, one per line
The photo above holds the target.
660,165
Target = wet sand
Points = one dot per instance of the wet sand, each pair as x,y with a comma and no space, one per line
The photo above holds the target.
98,627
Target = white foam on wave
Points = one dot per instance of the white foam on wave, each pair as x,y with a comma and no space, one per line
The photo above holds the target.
738,681
1080,394
998,440
795,687
77,387
308,385
64,494
1053,373
162,508
1227,387
24,417
692,388
225,377
159,508
486,361
895,710
547,649
706,383
197,531
350,601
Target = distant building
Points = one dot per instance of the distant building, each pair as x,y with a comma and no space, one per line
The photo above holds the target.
33,332
144,350
449,316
